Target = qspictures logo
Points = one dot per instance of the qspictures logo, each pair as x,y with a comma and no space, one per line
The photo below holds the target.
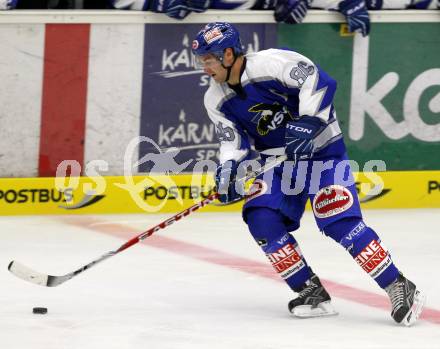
80,193
151,191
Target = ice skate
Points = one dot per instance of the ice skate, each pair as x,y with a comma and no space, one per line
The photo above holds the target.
406,301
312,301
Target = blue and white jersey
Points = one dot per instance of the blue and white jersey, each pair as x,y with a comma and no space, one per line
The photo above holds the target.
277,86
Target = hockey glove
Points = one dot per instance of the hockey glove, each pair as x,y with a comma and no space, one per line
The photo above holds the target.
299,137
356,15
225,177
291,11
179,9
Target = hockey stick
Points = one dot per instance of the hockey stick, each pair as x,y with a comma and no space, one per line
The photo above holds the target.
23,272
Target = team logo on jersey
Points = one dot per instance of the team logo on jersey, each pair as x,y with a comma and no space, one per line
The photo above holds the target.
269,117
332,200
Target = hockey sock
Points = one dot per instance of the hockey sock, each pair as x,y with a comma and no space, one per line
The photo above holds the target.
365,247
268,229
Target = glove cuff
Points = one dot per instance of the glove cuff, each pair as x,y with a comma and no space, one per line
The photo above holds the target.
306,127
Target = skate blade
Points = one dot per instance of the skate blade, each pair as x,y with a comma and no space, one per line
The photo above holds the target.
416,309
306,311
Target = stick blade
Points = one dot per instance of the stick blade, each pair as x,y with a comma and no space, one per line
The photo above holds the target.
27,274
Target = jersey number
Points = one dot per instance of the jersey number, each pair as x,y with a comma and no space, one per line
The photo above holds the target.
225,133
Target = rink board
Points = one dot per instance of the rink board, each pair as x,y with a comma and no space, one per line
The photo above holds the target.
128,74
160,194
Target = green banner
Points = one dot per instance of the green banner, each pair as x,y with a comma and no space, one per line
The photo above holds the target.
388,98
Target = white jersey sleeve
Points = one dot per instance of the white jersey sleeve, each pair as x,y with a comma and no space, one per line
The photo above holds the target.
316,88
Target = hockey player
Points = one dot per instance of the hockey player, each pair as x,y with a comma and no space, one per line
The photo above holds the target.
283,102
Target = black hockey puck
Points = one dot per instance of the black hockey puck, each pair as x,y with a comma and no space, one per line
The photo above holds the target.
39,310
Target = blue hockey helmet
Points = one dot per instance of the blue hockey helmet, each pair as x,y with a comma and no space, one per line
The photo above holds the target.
215,37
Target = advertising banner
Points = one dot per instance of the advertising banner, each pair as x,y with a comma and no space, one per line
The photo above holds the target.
388,97
162,194
90,195
137,80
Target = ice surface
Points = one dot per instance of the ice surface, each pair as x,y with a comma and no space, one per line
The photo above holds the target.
204,283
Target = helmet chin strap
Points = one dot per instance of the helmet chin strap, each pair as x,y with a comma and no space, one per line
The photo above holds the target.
228,69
